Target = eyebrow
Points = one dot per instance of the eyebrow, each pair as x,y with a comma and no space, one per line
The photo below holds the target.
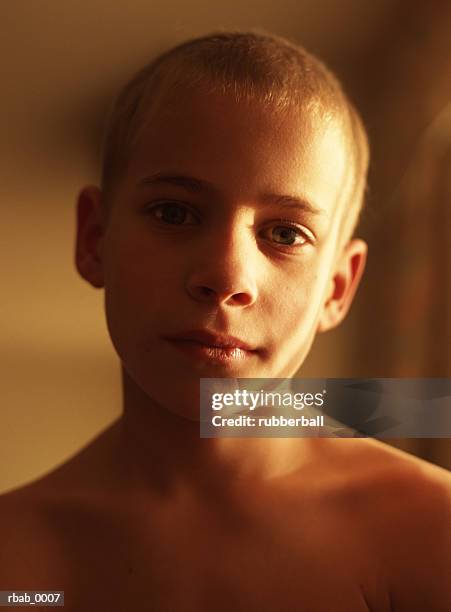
195,185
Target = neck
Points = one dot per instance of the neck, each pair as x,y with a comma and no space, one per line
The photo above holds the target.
164,450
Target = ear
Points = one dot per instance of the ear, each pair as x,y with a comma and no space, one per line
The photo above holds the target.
343,284
90,230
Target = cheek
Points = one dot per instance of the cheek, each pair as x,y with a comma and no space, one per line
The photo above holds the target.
294,309
297,297
138,270
294,321
138,287
300,310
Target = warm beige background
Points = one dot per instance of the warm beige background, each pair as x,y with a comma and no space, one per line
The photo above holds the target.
61,62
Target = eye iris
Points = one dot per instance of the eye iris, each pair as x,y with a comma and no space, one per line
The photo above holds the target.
286,233
172,213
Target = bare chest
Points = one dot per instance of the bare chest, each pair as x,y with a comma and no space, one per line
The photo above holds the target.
185,561
192,567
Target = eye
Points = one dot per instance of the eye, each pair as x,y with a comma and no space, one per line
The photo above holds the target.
287,234
171,213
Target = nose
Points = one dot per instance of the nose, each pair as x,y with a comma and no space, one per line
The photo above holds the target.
225,271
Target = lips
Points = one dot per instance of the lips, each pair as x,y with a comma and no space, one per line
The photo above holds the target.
212,339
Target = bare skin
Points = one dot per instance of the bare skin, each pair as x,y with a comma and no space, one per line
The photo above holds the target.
150,516
331,534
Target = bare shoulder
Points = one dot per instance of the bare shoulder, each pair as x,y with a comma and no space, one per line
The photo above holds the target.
38,520
404,504
365,460
28,547
419,531
389,481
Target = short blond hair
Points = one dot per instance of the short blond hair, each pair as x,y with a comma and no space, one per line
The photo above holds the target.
252,66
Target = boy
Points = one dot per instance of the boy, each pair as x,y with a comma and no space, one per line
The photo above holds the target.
254,145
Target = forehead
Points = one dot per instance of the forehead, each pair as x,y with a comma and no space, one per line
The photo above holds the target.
243,148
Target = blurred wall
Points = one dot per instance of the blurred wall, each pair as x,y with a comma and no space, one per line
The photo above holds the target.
61,65
403,314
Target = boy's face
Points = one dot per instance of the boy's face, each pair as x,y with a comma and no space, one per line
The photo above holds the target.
218,257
